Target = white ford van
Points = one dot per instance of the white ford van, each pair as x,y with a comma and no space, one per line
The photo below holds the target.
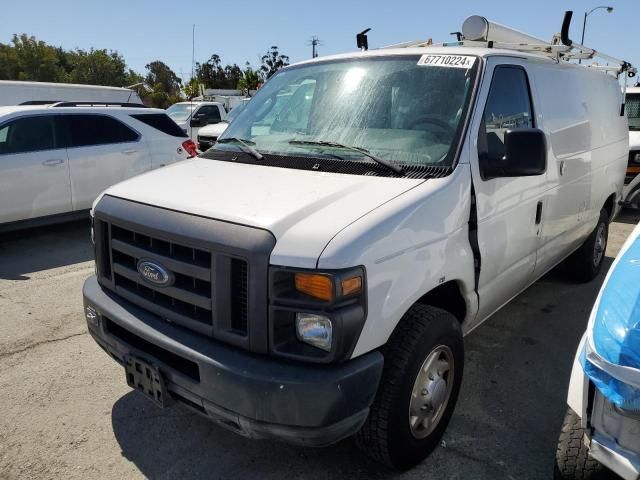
312,275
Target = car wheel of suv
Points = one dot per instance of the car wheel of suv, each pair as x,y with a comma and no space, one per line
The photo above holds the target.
586,262
572,456
423,363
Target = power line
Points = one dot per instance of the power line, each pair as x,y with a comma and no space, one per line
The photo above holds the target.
315,42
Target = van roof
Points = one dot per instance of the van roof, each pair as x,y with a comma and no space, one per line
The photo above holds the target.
434,49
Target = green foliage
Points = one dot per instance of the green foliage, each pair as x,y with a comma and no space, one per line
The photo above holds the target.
26,58
30,59
272,61
212,74
191,89
162,79
250,80
97,67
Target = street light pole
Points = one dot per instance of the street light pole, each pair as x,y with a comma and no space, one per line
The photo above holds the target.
584,22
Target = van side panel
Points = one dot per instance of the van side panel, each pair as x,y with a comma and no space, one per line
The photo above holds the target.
409,246
580,114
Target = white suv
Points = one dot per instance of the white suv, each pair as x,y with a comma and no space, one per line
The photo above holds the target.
56,159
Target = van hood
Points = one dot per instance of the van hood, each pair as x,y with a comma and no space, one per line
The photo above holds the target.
303,209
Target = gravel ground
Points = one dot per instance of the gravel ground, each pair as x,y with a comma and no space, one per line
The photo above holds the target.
68,413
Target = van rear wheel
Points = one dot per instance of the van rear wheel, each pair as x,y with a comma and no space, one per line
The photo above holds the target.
418,391
586,262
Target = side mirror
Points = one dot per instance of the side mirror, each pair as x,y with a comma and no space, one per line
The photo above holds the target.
525,155
196,122
212,121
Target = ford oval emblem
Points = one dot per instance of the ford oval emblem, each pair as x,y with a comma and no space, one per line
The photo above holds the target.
154,273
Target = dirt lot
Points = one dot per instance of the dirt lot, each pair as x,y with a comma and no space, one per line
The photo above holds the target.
68,413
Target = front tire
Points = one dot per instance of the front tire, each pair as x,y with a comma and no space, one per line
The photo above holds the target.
422,374
586,262
572,456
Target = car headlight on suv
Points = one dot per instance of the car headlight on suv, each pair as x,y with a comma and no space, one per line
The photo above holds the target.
316,315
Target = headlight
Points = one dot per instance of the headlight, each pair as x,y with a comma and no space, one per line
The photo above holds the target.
316,315
314,329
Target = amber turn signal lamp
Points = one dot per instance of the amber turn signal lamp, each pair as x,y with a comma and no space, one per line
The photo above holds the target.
351,285
317,286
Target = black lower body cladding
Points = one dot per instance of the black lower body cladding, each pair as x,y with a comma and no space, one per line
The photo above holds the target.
254,395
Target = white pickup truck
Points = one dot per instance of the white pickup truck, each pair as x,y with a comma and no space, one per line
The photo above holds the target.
312,275
191,116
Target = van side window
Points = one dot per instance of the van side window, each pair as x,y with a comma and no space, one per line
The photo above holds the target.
28,134
508,107
87,129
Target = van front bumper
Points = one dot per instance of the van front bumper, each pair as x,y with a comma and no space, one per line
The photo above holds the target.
254,395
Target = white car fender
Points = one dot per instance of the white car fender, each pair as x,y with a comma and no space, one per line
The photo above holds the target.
578,396
406,246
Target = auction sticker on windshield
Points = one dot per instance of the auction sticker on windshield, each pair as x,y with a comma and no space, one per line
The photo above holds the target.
451,61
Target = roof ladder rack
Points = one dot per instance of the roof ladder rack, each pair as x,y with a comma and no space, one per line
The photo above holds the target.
477,31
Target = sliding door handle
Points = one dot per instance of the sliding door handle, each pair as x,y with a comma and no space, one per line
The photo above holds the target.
539,213
129,151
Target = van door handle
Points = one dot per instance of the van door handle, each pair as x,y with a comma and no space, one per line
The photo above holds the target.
539,213
129,151
52,162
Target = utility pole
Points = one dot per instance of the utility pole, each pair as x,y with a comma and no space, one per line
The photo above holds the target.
314,42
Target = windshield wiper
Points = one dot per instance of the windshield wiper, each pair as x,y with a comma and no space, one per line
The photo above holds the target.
325,143
244,146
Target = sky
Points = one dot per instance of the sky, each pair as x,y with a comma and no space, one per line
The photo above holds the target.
145,30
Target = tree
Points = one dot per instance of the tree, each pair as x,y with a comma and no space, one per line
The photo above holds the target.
162,79
35,60
8,62
97,67
272,62
212,74
250,80
192,88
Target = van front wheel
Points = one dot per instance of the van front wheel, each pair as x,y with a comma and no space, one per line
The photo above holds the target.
423,363
586,262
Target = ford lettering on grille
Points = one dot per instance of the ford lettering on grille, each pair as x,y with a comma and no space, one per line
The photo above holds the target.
154,273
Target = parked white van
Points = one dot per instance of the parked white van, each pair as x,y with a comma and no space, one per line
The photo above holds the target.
39,93
312,275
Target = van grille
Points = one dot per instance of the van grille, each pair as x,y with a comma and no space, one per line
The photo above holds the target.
189,299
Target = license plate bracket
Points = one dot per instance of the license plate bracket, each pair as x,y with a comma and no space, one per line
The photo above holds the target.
147,379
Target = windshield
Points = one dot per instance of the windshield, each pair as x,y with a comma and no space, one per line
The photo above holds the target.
393,107
633,110
231,116
180,112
